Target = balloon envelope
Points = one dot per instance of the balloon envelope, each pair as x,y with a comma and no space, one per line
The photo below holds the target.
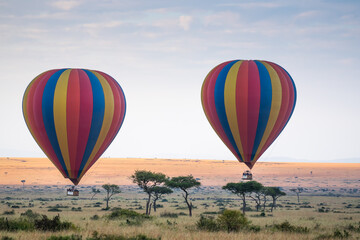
73,115
248,103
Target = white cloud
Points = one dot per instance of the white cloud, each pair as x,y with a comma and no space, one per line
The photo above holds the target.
66,5
185,21
252,5
94,28
222,19
308,14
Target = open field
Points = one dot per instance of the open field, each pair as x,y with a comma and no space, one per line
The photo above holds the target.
339,213
329,208
40,171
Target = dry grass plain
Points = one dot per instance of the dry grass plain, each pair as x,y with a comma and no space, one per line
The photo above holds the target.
330,187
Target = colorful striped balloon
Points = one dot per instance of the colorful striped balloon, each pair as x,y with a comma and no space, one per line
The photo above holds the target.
74,115
248,103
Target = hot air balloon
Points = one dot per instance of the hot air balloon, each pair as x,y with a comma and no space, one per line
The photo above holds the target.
248,103
74,115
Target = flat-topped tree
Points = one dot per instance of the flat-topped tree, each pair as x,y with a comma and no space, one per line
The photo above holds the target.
111,190
147,180
184,183
297,191
241,189
94,192
158,192
256,193
274,193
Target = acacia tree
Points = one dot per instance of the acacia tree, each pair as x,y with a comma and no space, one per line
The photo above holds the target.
147,180
265,192
297,191
274,193
158,192
241,189
184,183
94,191
256,193
111,190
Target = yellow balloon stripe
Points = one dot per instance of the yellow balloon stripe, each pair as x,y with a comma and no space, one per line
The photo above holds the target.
60,97
108,117
24,105
230,104
275,105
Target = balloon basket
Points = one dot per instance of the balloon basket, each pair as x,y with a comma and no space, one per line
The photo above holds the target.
72,192
247,176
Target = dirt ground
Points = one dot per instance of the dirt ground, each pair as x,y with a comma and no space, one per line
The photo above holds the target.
40,171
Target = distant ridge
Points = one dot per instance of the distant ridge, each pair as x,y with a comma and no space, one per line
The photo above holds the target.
285,159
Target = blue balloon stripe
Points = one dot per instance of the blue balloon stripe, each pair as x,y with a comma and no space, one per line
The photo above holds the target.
48,116
294,103
97,117
219,92
265,105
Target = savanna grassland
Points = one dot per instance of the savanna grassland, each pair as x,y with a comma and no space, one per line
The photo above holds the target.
328,207
333,215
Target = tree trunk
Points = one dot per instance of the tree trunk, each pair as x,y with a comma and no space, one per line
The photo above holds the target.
273,204
244,204
264,204
154,203
107,203
189,204
298,197
147,205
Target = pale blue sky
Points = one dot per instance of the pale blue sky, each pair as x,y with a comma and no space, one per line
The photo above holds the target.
160,53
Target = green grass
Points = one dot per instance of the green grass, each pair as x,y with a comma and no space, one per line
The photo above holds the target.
341,220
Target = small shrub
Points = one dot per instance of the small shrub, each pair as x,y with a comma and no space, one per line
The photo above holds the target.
342,235
207,224
96,236
72,237
124,213
78,209
253,228
95,217
209,212
46,224
54,209
12,212
287,227
233,220
13,225
6,238
169,215
30,214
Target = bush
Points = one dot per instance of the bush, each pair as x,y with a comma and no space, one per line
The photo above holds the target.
336,234
13,225
12,212
287,227
6,238
95,217
30,214
169,215
96,236
78,209
72,237
207,224
46,224
233,220
125,213
54,209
